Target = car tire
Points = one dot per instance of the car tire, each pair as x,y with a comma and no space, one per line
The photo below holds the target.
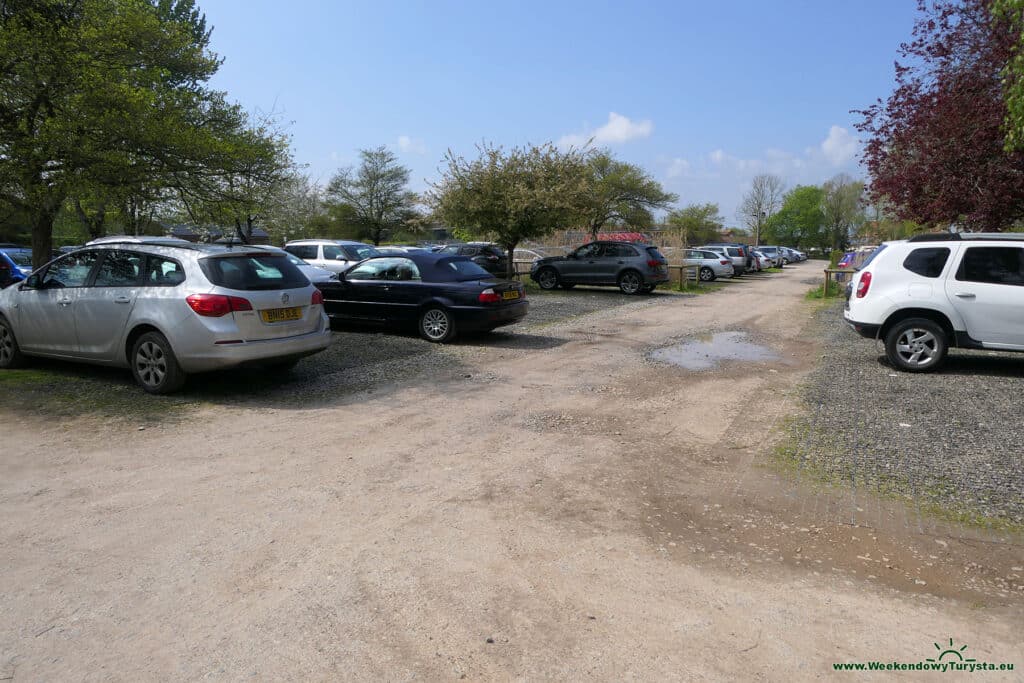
11,356
631,282
706,274
436,325
155,366
916,345
567,285
547,278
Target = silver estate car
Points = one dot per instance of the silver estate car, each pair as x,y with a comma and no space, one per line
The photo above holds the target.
709,265
164,310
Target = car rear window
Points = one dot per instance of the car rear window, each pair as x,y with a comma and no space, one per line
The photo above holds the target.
21,257
457,269
655,254
251,272
878,250
360,251
927,262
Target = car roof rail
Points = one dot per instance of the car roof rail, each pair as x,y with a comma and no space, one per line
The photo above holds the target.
968,236
935,237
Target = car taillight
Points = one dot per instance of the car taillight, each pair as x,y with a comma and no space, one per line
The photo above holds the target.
489,296
318,298
863,284
724,262
653,263
216,305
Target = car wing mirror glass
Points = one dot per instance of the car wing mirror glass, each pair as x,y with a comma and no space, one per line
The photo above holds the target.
31,283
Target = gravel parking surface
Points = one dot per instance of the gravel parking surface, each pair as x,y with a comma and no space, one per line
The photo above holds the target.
950,439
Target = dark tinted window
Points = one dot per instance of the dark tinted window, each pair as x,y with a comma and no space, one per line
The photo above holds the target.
619,251
358,252
119,269
163,272
253,272
333,252
655,254
455,269
589,250
927,262
995,265
735,251
303,251
71,271
21,257
454,249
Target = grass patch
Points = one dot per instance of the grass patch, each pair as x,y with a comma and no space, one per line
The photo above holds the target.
773,269
835,289
694,287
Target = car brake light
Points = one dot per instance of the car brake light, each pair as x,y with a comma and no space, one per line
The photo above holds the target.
216,305
489,296
724,262
653,263
863,284
318,298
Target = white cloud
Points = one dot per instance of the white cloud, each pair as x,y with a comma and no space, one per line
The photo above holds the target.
840,147
619,129
408,144
678,167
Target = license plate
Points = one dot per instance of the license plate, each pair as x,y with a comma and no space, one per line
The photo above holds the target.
510,294
280,315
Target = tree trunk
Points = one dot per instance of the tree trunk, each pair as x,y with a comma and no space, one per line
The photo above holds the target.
95,226
42,236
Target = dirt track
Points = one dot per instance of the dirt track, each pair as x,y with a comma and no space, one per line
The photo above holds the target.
568,512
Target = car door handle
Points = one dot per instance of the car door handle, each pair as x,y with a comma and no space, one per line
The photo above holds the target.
64,302
122,300
621,262
965,295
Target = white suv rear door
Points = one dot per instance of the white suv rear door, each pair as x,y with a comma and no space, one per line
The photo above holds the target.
987,290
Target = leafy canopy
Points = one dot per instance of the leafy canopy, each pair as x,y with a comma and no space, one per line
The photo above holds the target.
619,192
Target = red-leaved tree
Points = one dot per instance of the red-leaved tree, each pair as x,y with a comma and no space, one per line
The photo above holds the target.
935,148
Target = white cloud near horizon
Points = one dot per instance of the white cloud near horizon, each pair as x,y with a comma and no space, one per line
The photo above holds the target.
617,130
721,177
840,147
413,146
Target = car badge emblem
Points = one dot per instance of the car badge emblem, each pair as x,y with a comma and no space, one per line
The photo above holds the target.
284,298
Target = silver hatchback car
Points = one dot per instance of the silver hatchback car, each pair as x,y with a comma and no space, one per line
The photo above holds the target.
164,310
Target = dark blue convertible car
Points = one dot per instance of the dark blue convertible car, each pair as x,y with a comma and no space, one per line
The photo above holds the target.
440,294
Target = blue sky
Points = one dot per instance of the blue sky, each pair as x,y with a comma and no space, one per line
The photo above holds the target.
704,95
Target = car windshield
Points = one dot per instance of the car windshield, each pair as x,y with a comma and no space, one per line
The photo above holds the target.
357,252
21,257
458,269
871,258
250,272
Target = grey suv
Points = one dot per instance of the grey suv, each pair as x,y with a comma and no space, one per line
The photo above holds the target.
164,310
633,268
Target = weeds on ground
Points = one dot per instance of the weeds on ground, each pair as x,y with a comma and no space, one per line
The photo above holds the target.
835,289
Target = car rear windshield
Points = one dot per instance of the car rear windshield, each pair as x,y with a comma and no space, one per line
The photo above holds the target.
250,272
358,252
927,262
655,254
457,269
878,250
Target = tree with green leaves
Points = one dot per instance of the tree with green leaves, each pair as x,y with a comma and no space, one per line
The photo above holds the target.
762,200
696,223
94,91
842,209
377,191
1012,11
515,195
800,221
622,193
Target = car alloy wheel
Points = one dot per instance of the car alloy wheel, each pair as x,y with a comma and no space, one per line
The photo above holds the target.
154,366
436,325
706,274
916,345
547,278
10,354
630,282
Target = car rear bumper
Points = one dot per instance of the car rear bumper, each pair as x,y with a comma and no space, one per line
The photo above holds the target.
473,318
222,356
865,330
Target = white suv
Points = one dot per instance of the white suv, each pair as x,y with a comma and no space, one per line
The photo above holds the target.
336,256
932,292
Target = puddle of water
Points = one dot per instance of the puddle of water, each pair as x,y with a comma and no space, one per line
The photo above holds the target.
707,352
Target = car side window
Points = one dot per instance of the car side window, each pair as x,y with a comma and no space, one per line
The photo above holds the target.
392,269
163,272
119,269
992,265
469,251
71,271
303,251
334,253
927,262
589,250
